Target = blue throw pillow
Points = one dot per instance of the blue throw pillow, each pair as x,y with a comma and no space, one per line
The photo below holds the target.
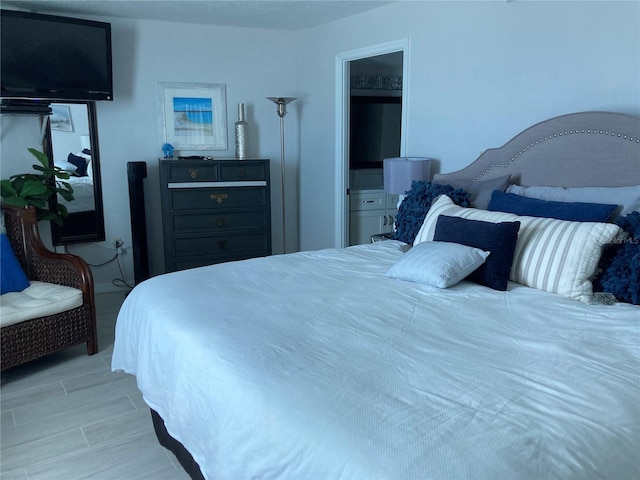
12,277
80,164
497,238
416,204
534,207
620,264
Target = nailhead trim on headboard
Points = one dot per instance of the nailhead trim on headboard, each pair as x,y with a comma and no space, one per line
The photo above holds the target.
560,134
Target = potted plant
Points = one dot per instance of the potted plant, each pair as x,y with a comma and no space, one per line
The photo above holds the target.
36,189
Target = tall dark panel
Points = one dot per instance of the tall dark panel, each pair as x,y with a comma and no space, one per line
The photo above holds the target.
137,172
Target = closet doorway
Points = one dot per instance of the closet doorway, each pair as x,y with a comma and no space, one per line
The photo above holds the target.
371,86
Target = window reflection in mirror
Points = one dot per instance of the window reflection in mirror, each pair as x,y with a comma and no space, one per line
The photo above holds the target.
71,143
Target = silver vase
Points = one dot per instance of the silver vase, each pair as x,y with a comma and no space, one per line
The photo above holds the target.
241,133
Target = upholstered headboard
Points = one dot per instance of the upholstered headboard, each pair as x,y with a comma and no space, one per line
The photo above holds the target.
585,149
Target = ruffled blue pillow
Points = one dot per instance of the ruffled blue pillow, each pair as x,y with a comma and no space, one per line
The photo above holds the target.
620,264
417,203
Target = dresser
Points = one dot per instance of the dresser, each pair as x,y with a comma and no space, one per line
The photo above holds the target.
370,212
214,211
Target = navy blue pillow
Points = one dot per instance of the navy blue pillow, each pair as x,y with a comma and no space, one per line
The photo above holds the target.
533,207
620,263
12,277
80,164
417,203
497,238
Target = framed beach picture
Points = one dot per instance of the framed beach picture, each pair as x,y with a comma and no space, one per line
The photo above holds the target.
60,118
193,116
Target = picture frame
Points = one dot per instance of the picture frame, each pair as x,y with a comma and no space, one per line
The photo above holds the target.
60,118
193,116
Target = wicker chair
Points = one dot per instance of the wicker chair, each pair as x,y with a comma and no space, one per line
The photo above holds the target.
31,339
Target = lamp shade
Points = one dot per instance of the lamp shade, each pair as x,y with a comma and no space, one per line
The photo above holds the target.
85,142
400,172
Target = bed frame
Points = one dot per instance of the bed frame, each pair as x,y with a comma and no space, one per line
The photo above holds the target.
588,149
577,150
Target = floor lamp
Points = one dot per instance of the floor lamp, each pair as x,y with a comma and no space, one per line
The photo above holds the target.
282,102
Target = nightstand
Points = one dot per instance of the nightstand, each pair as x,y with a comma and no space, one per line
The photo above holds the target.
379,237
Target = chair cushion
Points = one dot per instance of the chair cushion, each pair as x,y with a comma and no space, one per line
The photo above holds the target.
40,299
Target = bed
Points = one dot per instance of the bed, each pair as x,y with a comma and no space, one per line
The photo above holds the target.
321,365
81,180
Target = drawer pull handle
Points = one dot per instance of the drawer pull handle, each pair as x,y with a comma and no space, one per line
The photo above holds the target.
385,220
219,197
193,172
222,244
367,201
243,173
220,221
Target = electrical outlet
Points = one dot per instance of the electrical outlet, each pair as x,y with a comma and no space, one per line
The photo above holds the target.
118,245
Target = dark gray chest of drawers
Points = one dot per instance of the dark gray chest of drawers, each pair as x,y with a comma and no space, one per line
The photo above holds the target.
214,211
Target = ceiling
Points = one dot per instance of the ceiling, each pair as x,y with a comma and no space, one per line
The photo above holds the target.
271,14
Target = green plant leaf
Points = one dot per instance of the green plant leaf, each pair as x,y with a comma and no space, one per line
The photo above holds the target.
68,196
15,201
40,156
62,210
37,188
7,189
33,188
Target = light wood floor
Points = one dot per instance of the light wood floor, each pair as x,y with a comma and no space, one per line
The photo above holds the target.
67,417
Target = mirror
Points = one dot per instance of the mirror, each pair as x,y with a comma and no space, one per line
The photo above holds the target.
71,142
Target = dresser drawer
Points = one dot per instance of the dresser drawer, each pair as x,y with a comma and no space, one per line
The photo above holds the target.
243,171
367,201
216,198
220,221
200,172
221,244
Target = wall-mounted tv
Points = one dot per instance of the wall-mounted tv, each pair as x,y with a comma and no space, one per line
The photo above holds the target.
375,128
52,57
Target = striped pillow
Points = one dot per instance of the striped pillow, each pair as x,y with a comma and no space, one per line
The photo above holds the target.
556,256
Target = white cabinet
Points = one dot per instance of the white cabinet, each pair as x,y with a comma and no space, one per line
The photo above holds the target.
370,212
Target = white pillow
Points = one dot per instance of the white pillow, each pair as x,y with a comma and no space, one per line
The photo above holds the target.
556,256
66,166
628,198
439,264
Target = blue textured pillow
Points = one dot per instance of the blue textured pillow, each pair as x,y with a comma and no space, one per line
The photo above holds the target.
533,207
416,204
620,264
80,164
12,277
497,238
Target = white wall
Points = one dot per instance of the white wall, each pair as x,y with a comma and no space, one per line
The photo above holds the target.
253,63
480,72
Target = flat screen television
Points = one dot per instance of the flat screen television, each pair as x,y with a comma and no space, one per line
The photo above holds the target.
52,57
375,127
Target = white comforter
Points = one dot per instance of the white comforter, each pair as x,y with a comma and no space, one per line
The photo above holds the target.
83,195
316,366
